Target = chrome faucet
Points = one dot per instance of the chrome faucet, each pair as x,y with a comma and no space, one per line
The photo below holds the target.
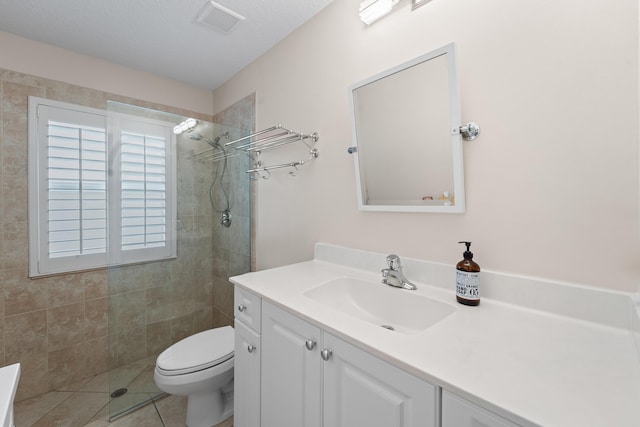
393,276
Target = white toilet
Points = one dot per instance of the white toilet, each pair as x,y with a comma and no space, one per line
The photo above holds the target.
201,368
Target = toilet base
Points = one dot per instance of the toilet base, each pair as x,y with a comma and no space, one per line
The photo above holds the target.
208,408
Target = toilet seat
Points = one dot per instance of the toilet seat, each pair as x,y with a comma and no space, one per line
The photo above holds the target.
197,352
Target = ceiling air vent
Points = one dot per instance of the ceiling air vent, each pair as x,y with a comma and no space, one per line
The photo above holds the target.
219,17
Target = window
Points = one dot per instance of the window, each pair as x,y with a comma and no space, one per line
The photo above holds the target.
101,188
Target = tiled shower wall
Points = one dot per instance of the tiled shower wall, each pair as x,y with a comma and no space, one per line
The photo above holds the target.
67,327
233,253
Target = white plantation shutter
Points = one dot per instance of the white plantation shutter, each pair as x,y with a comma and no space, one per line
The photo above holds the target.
143,191
145,200
77,189
68,209
94,200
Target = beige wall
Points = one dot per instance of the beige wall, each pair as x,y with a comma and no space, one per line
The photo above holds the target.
31,57
552,182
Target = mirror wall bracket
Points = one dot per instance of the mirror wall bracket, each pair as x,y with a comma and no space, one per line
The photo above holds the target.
469,131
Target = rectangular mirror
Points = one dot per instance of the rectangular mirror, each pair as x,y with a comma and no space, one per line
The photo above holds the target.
405,125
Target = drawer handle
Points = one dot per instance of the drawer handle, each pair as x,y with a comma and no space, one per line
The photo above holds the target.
326,354
310,344
251,348
242,308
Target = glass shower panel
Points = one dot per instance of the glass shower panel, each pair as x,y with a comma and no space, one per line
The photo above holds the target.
155,304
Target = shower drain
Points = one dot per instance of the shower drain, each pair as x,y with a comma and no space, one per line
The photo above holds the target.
119,392
389,327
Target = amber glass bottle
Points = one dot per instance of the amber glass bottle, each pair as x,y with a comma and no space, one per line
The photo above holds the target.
468,279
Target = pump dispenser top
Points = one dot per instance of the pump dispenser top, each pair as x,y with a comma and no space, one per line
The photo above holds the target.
467,254
468,279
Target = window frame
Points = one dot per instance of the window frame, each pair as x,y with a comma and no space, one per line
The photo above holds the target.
40,264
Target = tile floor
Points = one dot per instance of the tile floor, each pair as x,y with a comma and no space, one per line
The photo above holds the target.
87,403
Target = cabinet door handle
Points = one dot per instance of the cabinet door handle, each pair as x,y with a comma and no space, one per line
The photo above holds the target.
242,308
310,344
326,353
251,348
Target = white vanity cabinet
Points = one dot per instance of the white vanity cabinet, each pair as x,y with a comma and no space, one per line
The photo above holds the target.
310,378
457,412
291,373
247,358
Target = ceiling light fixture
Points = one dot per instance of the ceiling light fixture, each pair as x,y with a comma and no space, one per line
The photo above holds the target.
372,10
185,126
218,17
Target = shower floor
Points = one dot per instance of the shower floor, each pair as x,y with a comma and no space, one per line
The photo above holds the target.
137,379
89,400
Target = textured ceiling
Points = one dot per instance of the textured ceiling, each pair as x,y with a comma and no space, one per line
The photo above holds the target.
159,36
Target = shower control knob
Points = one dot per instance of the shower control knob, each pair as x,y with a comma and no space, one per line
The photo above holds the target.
326,353
251,348
242,308
310,344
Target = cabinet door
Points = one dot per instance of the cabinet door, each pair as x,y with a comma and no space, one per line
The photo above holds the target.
457,412
291,378
362,390
246,402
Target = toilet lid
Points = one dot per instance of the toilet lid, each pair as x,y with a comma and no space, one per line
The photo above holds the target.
197,352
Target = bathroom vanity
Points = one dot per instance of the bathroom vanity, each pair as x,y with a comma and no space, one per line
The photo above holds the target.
324,343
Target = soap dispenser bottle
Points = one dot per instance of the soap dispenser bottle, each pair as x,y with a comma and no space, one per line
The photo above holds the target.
468,279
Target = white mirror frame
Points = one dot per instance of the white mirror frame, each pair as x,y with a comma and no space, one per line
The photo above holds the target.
456,139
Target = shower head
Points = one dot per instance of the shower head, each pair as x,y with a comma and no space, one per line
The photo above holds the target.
195,136
198,137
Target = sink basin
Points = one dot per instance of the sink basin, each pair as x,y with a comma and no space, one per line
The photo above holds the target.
392,308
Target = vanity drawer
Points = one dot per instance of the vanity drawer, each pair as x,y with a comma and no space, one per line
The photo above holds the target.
247,308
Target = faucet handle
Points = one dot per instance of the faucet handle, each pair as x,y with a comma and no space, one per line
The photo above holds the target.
393,261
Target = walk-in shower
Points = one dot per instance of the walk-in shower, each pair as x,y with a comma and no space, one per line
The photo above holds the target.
155,304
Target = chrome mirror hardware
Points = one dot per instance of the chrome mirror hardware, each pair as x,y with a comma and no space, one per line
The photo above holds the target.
310,344
393,276
326,354
469,131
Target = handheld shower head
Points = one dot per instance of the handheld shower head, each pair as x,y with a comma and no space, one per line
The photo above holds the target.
198,137
195,136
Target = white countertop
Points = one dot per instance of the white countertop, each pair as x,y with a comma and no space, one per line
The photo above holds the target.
531,366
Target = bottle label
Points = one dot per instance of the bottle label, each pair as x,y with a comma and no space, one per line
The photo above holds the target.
468,285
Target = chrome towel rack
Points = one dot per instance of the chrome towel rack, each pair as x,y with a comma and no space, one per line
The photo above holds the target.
272,137
263,172
263,140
